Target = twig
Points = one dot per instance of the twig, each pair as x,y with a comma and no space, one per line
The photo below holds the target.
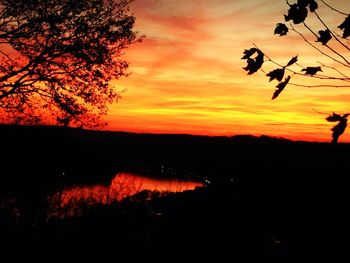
309,28
272,61
330,48
300,66
319,50
263,71
325,66
335,37
7,56
332,8
323,113
318,76
319,86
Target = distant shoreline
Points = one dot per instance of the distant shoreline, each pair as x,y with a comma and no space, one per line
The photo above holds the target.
118,132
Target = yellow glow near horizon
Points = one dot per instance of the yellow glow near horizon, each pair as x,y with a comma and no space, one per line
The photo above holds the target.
187,74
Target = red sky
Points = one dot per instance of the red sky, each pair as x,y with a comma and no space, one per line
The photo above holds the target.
187,74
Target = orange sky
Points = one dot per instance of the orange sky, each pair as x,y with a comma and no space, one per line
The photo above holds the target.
187,74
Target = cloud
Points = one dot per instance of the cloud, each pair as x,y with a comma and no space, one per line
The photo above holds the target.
188,77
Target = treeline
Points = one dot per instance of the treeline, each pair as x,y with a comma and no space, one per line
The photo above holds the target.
42,154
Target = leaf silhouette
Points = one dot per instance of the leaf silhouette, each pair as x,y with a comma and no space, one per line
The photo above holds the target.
276,74
303,2
325,36
339,129
292,61
311,70
248,53
311,3
297,13
345,26
281,29
313,6
280,87
254,64
335,117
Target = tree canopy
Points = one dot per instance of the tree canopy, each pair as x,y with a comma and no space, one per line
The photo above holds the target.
58,57
329,40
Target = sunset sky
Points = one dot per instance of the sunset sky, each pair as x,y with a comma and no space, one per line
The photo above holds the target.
187,74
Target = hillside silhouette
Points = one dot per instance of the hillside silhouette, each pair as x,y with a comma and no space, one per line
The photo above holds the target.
44,152
269,199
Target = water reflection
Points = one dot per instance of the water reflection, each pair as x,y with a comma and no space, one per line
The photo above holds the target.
73,201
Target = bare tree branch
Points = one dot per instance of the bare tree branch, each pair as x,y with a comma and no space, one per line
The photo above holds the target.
335,36
319,50
68,54
332,8
335,69
319,86
326,45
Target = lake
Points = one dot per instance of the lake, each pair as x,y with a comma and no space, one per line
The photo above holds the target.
73,201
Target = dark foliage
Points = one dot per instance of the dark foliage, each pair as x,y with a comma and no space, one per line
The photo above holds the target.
297,15
334,117
60,57
249,52
345,26
325,36
253,64
276,74
340,127
292,61
311,70
281,29
280,87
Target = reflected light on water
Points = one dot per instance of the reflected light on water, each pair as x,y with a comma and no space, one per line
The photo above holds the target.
126,184
121,186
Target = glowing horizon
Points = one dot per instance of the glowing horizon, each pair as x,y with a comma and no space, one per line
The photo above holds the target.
187,74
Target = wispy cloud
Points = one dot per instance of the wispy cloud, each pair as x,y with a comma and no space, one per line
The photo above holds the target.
188,77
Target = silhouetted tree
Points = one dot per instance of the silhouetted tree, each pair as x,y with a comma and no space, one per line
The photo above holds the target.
331,41
58,57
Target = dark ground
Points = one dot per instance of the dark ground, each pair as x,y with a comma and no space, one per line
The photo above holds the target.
271,200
